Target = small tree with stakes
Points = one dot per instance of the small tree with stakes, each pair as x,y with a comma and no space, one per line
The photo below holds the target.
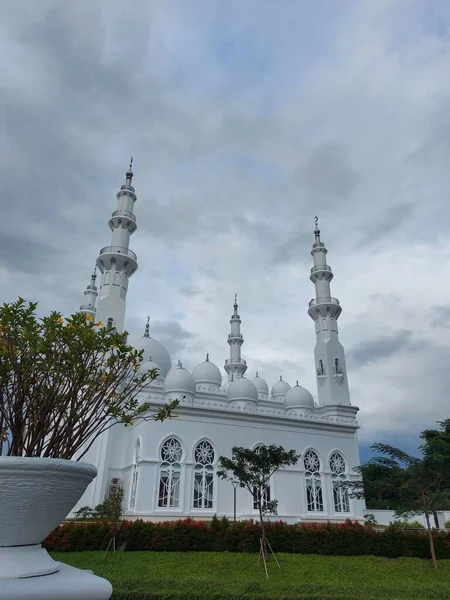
253,470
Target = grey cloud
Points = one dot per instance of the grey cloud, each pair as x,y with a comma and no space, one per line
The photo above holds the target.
392,219
440,317
171,334
378,349
26,255
327,173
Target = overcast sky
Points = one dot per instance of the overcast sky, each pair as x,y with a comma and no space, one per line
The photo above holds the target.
245,119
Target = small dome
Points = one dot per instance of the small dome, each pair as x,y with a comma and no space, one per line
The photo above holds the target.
298,397
260,384
242,389
147,366
179,380
207,372
154,351
280,388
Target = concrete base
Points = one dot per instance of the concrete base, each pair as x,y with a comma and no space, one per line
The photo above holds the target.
67,584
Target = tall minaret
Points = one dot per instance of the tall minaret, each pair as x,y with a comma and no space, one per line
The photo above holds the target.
117,262
324,310
90,296
235,366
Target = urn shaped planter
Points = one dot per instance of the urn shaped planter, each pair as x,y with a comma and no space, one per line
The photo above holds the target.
36,494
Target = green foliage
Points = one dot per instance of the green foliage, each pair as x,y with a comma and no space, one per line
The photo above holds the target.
63,382
422,484
370,520
225,576
346,539
411,524
112,507
252,469
85,512
447,524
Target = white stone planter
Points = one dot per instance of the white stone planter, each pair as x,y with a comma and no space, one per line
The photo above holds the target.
36,494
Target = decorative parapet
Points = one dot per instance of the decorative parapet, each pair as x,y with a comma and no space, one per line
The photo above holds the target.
317,415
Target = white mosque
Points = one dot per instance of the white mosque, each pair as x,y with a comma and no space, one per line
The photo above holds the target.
168,470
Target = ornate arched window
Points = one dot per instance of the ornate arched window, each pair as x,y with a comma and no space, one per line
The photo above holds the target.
256,492
340,492
169,474
203,475
135,473
314,496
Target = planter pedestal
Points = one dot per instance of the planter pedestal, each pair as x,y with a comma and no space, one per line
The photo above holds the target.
66,584
36,494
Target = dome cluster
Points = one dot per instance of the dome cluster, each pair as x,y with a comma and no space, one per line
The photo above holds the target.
206,377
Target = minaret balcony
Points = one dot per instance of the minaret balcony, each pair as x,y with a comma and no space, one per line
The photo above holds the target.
124,213
119,250
121,257
235,335
325,300
87,307
320,268
230,361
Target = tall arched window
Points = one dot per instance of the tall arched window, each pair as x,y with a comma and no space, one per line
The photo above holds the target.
256,492
314,496
169,474
340,492
203,475
135,473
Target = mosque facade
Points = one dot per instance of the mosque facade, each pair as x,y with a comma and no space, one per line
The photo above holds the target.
168,470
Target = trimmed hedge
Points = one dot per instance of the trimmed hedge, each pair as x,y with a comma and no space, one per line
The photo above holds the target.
346,539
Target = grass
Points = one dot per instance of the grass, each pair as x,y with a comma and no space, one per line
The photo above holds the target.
229,576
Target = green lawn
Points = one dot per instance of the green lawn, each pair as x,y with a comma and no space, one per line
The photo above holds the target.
228,576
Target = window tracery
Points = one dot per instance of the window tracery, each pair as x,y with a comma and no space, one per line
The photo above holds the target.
135,473
203,475
314,495
170,474
338,477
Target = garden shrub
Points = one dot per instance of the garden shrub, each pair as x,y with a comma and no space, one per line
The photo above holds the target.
340,539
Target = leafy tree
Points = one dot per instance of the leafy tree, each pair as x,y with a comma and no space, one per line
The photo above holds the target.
85,512
423,483
112,507
381,485
253,470
63,382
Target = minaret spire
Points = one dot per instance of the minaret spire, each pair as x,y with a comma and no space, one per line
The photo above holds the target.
147,328
329,353
117,262
235,366
90,296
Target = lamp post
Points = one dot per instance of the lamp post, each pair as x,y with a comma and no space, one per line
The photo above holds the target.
235,483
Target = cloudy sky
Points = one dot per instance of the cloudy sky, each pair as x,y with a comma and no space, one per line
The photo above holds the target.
245,119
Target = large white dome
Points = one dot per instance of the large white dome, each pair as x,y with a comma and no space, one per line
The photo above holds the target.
155,352
147,366
242,389
207,373
179,380
280,388
298,397
260,384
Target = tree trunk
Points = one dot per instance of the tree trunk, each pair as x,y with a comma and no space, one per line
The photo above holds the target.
431,540
436,520
263,532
